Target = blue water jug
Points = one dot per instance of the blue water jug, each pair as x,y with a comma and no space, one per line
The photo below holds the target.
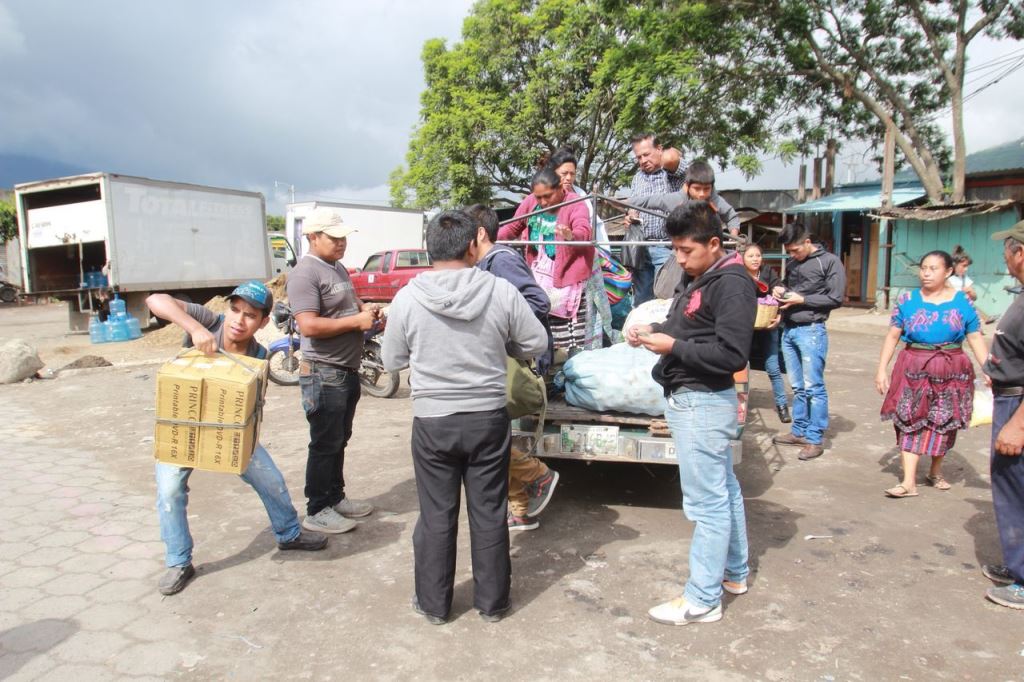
134,328
117,308
97,330
101,280
118,329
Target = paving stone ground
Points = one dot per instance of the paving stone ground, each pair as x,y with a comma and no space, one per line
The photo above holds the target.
892,592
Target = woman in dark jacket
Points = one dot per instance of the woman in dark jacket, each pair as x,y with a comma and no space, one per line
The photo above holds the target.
766,343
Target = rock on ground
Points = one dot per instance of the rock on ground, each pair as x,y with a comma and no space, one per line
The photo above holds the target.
18,361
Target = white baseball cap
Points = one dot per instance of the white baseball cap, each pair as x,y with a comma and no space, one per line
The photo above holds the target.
326,220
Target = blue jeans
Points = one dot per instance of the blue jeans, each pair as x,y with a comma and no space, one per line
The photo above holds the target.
329,397
643,279
772,366
805,349
172,504
1008,491
702,425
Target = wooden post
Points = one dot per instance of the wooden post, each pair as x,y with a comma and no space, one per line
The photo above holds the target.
830,164
801,190
888,165
816,179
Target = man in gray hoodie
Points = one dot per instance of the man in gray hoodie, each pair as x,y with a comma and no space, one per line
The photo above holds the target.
454,326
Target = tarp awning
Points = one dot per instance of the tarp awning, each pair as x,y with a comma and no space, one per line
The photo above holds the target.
857,200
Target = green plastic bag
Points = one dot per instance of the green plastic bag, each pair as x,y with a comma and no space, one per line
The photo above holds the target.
526,391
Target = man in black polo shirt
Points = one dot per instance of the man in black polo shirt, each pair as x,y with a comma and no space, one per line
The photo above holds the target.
1005,366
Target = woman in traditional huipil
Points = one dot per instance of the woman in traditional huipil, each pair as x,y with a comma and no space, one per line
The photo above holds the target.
930,395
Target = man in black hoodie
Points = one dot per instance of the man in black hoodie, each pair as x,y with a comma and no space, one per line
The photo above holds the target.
704,341
530,482
814,286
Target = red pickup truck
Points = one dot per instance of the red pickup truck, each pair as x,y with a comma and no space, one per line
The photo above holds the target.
386,272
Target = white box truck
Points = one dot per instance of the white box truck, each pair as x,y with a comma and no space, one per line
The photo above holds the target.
145,235
380,229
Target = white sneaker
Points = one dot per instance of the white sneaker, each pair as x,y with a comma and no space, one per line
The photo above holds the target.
679,612
328,521
353,509
733,587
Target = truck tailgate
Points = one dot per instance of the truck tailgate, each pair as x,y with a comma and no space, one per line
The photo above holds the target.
575,433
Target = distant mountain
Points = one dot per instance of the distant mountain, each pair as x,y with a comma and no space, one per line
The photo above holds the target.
15,169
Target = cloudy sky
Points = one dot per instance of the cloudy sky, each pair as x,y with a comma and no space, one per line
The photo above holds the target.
318,94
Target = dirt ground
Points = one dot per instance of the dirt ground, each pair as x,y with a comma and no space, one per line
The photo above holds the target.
846,584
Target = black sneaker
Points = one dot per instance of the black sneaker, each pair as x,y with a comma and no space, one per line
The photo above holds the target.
540,492
433,620
306,541
175,579
784,416
1011,596
494,617
522,522
997,573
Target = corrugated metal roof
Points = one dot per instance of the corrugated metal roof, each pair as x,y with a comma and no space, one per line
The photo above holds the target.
1007,156
942,211
858,200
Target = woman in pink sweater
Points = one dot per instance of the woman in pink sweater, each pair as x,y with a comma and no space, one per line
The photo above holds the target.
561,270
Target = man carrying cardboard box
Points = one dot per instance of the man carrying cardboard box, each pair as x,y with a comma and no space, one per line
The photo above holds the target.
248,311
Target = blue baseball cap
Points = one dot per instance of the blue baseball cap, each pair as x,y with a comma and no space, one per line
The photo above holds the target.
256,294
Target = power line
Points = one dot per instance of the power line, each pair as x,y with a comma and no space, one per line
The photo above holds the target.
994,63
1013,67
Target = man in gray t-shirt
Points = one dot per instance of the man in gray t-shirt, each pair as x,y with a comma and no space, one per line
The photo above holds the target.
331,320
325,290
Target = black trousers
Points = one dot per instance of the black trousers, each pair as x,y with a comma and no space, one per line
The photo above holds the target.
329,398
471,449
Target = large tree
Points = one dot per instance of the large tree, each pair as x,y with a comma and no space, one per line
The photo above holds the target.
530,76
865,65
726,80
8,221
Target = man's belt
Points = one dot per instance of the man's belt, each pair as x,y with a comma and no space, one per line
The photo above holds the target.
306,367
934,346
1007,391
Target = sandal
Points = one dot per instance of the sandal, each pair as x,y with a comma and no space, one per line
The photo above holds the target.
938,482
900,491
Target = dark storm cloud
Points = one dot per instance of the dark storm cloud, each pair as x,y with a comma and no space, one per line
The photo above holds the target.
320,94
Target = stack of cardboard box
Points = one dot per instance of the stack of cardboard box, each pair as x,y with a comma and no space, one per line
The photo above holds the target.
209,391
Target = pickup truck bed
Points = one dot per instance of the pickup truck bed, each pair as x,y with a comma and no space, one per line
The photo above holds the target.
575,433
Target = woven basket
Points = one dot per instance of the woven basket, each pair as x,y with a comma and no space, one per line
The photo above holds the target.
766,314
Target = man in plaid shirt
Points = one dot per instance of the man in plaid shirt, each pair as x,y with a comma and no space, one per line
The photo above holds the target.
661,172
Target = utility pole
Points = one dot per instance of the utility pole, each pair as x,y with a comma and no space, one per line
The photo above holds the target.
816,179
830,164
888,165
291,190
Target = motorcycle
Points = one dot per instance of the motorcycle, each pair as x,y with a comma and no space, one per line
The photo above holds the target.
284,357
8,292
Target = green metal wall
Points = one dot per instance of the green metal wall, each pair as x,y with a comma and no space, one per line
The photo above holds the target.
913,238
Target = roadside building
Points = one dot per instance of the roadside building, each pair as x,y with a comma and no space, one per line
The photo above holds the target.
995,198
